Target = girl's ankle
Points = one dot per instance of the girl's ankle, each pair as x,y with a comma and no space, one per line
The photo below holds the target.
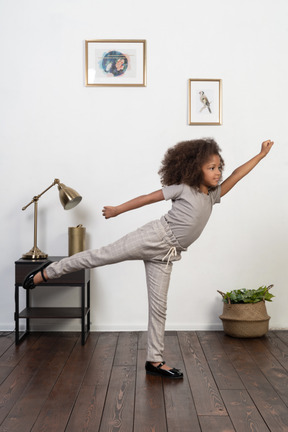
38,278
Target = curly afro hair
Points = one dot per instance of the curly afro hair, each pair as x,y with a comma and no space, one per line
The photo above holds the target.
183,162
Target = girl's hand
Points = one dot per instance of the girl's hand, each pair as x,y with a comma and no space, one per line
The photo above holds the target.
266,147
244,169
109,211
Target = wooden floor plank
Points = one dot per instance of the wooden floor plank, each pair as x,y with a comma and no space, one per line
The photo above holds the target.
142,340
204,389
4,372
126,351
6,341
278,347
223,371
25,411
149,400
281,334
119,405
99,370
216,424
180,409
88,409
270,367
57,409
13,355
51,383
243,412
12,388
268,402
90,402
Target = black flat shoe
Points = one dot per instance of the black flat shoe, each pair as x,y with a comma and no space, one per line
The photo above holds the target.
157,371
28,282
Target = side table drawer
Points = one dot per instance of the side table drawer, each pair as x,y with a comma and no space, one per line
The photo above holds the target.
23,267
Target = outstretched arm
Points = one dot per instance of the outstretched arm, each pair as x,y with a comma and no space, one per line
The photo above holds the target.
244,169
109,211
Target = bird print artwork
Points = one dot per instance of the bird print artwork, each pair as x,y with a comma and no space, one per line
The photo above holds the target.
206,103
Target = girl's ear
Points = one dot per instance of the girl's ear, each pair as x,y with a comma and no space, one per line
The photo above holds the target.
200,177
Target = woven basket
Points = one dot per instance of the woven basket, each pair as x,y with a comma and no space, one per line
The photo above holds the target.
245,320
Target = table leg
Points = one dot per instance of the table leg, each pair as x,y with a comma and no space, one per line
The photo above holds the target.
83,314
16,315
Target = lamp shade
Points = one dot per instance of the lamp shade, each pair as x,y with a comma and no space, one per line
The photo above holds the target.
69,198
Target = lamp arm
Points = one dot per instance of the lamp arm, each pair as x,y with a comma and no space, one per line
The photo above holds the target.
36,198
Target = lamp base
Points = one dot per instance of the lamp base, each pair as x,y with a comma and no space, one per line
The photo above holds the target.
34,254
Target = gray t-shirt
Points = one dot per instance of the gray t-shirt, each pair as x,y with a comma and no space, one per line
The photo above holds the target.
190,211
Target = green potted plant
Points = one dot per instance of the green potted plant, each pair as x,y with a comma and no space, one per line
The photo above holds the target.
244,312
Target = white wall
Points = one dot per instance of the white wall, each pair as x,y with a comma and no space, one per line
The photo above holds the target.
107,143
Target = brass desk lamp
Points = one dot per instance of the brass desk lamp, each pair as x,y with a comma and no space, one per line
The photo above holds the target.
69,198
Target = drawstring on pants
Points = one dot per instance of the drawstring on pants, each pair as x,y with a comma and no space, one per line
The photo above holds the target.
171,253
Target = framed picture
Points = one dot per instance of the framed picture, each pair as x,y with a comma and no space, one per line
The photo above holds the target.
205,102
115,63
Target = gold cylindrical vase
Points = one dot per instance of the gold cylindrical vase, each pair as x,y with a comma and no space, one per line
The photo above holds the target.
76,236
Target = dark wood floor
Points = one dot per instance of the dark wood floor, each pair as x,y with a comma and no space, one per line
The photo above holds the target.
51,383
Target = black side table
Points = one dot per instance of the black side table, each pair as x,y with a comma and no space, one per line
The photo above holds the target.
80,278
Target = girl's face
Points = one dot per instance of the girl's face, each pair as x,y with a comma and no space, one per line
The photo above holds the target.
211,173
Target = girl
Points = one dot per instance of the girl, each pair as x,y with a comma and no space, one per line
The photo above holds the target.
191,172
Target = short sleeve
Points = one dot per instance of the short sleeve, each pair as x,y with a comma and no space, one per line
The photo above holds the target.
215,195
172,192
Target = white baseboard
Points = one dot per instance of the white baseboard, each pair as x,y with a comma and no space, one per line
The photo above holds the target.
72,325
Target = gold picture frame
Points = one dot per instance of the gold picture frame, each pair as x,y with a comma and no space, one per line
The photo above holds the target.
205,102
112,62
